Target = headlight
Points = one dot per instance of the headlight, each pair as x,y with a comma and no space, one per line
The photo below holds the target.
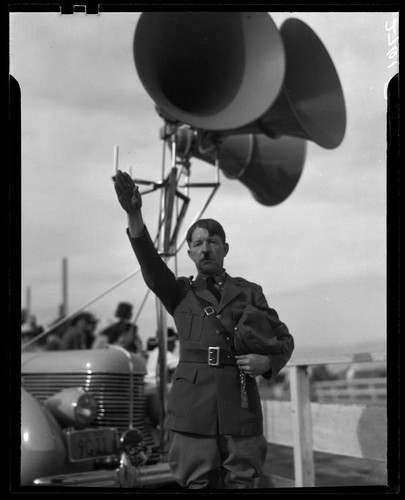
73,407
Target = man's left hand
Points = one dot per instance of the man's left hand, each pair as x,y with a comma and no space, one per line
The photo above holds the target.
253,364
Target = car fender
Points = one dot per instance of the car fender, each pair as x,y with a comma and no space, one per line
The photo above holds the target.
42,444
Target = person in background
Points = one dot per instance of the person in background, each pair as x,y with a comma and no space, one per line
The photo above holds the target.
80,333
228,336
30,329
123,332
152,360
152,367
56,333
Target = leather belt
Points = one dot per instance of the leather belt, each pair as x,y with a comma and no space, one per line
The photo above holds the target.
213,356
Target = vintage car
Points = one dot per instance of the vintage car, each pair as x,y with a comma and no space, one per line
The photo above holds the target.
84,421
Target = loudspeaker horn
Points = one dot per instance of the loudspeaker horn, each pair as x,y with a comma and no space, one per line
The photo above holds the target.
269,168
235,73
210,70
311,103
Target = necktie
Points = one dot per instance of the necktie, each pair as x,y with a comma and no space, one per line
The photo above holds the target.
212,288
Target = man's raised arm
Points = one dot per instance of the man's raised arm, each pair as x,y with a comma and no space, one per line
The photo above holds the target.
158,277
130,200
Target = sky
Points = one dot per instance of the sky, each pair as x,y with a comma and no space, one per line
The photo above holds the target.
320,255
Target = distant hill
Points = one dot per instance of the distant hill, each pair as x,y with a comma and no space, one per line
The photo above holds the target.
338,349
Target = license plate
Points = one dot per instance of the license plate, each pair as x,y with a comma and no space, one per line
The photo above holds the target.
91,443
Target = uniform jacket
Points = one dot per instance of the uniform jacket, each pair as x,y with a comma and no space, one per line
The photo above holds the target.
206,399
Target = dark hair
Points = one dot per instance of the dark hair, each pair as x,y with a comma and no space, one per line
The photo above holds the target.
83,315
212,226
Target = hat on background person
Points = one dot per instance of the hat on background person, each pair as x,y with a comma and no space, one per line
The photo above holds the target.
124,310
256,333
153,342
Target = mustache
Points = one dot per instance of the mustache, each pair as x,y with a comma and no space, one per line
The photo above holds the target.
206,257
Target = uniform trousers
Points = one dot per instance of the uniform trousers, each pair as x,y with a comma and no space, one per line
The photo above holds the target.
216,462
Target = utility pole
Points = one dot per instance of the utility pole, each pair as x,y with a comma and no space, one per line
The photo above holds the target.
64,306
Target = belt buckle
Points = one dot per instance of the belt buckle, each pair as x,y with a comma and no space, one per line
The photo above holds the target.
213,356
209,310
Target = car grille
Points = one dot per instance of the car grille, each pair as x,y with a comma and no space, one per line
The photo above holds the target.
114,393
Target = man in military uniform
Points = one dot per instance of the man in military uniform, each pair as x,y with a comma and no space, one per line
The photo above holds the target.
214,413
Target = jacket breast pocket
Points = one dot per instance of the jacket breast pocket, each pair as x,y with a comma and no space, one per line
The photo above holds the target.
181,394
190,324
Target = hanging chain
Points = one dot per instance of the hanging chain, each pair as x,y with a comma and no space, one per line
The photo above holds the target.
243,390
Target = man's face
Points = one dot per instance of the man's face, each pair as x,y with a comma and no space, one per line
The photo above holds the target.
207,252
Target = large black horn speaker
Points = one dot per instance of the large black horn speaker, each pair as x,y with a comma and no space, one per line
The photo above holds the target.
311,104
269,168
235,73
258,93
210,70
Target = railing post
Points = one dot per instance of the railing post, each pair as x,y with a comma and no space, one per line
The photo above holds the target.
302,427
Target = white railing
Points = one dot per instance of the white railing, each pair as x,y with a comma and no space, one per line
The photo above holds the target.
367,390
355,429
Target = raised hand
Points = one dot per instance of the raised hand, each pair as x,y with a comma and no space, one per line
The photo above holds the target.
127,192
